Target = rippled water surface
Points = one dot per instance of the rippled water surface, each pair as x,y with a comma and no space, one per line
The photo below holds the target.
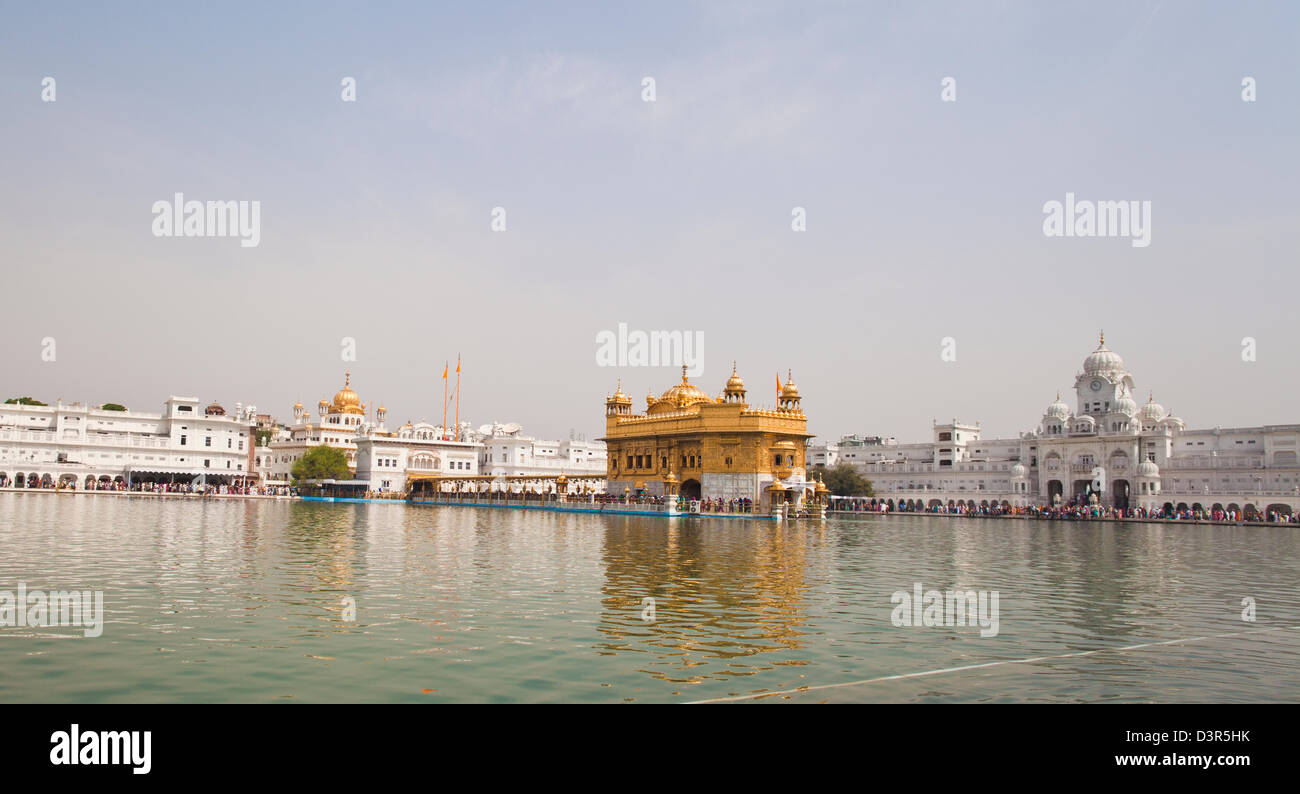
244,601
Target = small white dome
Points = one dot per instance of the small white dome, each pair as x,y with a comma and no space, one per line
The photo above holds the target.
1126,406
1058,410
1148,469
1153,411
1018,470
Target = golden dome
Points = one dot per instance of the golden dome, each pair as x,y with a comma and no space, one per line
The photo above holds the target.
619,397
346,401
297,406
680,396
789,390
735,382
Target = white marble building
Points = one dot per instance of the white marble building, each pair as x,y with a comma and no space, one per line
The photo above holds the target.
382,458
386,461
87,447
1128,455
505,452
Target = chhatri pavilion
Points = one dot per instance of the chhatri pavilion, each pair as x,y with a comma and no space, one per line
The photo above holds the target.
703,447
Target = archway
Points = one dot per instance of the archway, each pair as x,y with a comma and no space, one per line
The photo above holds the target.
1278,508
33,480
1055,492
1120,494
1079,491
20,480
691,489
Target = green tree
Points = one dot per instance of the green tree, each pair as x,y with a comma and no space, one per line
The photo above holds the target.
112,407
23,401
843,480
321,463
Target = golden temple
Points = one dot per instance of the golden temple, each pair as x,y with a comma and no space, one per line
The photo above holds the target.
705,447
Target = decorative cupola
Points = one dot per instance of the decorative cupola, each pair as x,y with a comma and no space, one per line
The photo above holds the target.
789,400
735,389
620,404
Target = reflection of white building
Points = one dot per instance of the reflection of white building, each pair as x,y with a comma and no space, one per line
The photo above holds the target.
505,452
1106,444
74,444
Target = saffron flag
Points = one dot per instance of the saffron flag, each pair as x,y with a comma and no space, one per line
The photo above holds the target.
458,364
444,371
778,383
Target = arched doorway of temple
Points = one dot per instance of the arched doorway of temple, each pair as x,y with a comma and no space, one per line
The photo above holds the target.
691,489
1119,490
1055,492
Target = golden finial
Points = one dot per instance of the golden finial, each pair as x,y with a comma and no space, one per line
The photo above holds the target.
683,373
347,378
1102,337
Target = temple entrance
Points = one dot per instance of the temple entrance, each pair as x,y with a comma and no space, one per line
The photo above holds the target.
1120,493
691,489
1079,494
1055,492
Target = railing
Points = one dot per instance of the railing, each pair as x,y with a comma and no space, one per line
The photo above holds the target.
571,501
1215,463
114,440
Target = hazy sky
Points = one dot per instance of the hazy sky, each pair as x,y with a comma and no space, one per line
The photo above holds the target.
924,217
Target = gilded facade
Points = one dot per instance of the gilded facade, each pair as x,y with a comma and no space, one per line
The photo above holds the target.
709,447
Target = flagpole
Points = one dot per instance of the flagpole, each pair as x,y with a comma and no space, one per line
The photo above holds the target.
457,436
444,401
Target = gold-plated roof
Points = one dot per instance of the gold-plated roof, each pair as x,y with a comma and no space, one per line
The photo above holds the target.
346,401
789,390
619,397
735,382
681,395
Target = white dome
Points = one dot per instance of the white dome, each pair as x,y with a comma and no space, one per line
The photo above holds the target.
1018,470
1148,469
1058,409
1126,405
1153,411
1103,361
